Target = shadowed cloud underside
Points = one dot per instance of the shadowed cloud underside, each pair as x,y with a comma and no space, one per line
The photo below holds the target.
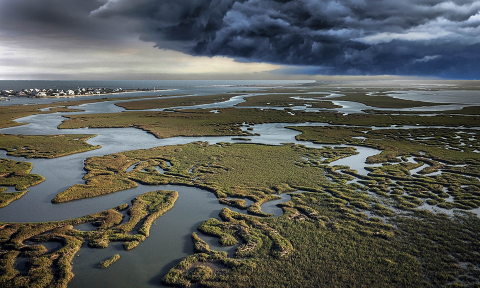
348,37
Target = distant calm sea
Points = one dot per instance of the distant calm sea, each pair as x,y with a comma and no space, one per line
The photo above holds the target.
160,84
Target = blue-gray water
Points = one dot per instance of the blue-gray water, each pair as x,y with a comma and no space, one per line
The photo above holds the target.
133,84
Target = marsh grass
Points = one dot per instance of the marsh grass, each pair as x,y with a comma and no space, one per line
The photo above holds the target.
328,235
383,101
17,174
9,113
285,100
54,269
194,268
179,100
469,110
227,122
7,198
109,261
45,146
428,146
342,248
198,122
225,169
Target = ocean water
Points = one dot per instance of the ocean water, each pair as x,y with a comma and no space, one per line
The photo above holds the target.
132,84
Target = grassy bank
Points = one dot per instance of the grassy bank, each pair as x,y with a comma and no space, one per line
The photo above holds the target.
9,113
229,121
45,146
285,100
179,100
225,169
17,174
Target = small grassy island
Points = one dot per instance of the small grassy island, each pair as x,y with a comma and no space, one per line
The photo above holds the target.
16,174
407,218
110,261
174,101
45,146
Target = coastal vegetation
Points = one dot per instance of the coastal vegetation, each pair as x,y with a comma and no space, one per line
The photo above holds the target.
469,110
16,174
175,101
335,225
228,121
318,229
9,113
110,261
7,198
286,100
445,160
454,146
225,169
199,122
45,146
53,268
381,100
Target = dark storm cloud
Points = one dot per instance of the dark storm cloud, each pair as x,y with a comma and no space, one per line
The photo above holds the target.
50,20
356,37
430,37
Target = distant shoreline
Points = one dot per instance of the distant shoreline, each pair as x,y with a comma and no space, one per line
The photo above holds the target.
8,97
110,93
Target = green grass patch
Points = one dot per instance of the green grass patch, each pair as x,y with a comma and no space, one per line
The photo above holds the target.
179,100
45,146
285,100
228,122
383,101
225,169
9,113
110,261
17,174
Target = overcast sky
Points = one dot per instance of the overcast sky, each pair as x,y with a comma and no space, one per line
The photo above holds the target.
299,39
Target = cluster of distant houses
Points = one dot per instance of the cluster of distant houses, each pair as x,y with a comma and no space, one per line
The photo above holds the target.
39,93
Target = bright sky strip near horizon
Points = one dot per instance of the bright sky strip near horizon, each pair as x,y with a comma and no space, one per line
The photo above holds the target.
238,39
